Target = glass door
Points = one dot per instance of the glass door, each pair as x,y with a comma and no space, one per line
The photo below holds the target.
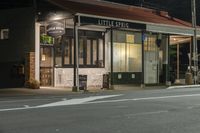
151,60
46,66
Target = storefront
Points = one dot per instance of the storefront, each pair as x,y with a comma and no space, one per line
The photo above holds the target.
85,41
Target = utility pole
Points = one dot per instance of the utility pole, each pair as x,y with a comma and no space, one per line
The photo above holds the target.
195,50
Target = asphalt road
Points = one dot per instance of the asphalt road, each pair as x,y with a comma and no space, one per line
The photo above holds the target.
153,111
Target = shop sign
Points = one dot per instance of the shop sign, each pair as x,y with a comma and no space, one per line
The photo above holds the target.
110,23
55,29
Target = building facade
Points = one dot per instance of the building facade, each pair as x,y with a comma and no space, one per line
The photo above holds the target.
97,38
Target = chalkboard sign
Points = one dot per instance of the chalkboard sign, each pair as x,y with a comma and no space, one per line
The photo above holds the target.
105,81
83,82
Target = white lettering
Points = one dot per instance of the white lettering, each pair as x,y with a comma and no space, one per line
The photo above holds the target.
112,23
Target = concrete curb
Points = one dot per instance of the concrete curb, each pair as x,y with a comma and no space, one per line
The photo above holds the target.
183,86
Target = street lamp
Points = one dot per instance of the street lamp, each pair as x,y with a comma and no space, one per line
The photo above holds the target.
195,50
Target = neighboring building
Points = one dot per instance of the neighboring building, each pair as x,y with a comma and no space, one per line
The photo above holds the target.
17,27
93,38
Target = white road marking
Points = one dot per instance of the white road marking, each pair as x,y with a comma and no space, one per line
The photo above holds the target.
62,103
184,86
146,98
76,101
26,106
90,100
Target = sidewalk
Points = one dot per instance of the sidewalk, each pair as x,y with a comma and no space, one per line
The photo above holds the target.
183,86
55,91
9,92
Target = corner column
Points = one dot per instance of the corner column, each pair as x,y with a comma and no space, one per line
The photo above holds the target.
76,57
111,59
37,51
177,66
143,74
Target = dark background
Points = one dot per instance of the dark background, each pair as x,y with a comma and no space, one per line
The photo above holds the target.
176,8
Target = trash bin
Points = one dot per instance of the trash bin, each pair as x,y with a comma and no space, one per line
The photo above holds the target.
105,84
83,82
188,78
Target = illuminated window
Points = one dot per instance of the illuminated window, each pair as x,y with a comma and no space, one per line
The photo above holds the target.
130,38
127,47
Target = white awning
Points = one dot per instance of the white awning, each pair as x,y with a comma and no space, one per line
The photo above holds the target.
172,29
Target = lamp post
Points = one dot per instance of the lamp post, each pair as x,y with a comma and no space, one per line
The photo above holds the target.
195,50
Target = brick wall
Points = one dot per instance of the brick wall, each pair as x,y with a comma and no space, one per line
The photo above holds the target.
30,66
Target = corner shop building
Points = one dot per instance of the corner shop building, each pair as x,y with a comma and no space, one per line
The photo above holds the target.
94,38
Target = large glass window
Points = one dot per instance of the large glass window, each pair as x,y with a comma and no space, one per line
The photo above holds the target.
101,54
134,57
127,50
58,55
46,54
94,44
91,50
58,52
66,50
81,51
119,56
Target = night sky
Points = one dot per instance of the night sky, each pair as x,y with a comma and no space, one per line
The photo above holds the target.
176,8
